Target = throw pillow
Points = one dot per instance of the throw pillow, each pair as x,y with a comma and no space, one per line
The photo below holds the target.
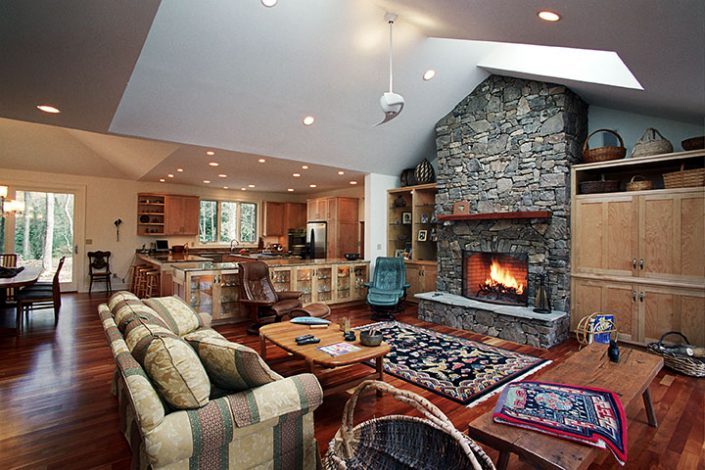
125,311
171,364
177,314
119,297
232,366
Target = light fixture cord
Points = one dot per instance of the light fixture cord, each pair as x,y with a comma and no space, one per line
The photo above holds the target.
391,69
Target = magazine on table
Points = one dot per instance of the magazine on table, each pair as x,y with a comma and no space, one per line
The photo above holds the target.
339,349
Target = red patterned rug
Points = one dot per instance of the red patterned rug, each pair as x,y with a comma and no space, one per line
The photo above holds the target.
457,368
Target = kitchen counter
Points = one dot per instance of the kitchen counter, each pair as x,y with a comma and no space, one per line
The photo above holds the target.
169,258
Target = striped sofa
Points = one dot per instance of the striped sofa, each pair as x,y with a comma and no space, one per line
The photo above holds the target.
225,409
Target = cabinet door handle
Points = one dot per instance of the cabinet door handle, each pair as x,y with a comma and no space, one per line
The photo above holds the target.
641,296
634,263
641,263
634,295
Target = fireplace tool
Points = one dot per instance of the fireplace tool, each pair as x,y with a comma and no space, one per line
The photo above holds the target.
542,303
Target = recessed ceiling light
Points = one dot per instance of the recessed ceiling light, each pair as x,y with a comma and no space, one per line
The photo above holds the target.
210,152
353,182
308,120
429,74
243,189
269,3
207,181
48,109
170,175
547,15
250,185
213,163
296,175
291,190
180,170
222,175
341,173
161,180
305,167
312,185
261,160
226,187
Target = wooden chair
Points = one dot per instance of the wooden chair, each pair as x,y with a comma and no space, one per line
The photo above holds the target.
99,269
40,297
8,260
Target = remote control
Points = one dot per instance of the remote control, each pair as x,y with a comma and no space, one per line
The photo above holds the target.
303,337
308,341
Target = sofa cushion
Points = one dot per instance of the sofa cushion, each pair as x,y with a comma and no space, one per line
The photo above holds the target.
232,366
177,314
127,310
171,364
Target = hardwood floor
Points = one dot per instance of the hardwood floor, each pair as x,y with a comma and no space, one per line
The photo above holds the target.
56,410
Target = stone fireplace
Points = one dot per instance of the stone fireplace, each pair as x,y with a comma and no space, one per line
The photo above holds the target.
508,147
495,277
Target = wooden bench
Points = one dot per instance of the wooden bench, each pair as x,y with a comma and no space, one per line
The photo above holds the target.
630,378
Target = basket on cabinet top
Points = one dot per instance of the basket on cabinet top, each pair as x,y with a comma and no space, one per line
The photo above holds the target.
606,153
684,178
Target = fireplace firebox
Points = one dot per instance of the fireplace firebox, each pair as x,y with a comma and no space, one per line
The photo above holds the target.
500,278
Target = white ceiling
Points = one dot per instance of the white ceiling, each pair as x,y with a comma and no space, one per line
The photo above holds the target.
238,77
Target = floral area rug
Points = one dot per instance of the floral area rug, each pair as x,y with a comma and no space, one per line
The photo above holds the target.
457,368
584,414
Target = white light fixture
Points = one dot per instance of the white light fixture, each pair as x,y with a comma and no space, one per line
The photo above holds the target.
210,153
207,181
308,120
312,185
429,74
243,189
213,163
296,175
222,175
269,3
547,15
341,173
353,182
170,175
180,170
161,180
261,160
291,190
226,187
305,167
48,109
391,103
250,185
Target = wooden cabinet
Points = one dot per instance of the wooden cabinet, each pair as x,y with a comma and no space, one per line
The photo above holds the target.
165,214
274,221
640,255
342,216
330,284
150,214
421,278
295,216
216,292
412,222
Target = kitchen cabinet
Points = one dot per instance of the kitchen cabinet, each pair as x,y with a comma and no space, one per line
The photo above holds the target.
342,217
150,214
166,214
317,209
216,292
274,222
421,278
295,216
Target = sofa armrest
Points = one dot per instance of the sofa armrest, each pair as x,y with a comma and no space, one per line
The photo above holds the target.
206,319
256,409
259,303
289,295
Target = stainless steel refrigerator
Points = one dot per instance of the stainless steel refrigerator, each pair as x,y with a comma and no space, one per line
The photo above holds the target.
316,236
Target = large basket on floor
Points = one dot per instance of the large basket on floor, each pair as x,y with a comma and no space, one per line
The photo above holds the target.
674,357
398,442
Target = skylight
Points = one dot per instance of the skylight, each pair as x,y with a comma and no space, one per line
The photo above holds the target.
583,65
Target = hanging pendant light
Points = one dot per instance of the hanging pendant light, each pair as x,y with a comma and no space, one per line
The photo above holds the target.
391,103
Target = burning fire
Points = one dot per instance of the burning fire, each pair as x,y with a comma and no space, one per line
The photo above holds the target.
502,276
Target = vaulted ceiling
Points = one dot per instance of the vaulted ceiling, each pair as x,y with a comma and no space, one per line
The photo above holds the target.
235,76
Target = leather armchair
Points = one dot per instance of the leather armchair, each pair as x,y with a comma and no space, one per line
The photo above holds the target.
258,294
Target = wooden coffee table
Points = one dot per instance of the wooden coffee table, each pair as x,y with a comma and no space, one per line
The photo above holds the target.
283,335
630,378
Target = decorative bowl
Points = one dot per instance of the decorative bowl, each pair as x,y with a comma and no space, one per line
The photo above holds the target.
370,339
352,256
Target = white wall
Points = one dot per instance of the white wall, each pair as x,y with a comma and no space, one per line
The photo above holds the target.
108,199
376,187
631,126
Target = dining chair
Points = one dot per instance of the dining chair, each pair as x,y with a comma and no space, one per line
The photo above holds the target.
9,260
99,269
35,297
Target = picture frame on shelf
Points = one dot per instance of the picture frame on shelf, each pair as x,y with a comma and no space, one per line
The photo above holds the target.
406,218
399,253
424,218
422,236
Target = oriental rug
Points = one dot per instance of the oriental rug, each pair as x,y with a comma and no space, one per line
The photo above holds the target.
457,368
587,415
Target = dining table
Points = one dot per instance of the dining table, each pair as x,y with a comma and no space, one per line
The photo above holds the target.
28,276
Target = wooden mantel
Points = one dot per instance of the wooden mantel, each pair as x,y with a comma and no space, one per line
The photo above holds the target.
496,216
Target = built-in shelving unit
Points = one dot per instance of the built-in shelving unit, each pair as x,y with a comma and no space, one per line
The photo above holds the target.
150,214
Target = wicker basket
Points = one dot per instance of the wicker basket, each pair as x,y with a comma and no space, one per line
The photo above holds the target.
603,154
600,186
641,184
402,442
684,178
692,366
651,143
694,143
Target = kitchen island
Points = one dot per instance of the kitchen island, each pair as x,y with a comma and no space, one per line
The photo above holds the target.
215,287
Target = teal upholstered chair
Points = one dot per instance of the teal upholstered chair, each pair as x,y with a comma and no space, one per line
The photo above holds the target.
388,287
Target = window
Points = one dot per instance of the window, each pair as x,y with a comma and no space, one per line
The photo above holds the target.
225,221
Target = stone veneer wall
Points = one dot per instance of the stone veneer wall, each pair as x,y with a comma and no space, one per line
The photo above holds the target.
508,146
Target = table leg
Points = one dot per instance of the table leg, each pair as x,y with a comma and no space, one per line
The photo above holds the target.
310,366
263,347
379,367
503,460
650,414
